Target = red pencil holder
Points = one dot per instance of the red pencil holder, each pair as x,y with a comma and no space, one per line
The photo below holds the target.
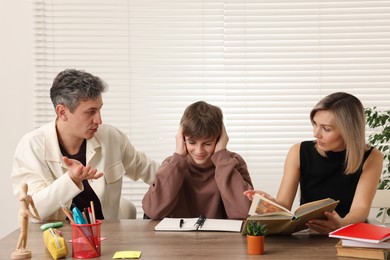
86,240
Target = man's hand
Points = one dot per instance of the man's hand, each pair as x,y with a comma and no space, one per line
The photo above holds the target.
79,172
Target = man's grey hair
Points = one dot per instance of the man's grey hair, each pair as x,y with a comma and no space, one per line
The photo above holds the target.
72,86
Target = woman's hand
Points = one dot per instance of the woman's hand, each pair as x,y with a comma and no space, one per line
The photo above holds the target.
250,193
332,222
180,143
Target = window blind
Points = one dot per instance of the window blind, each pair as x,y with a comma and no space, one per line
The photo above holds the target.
265,63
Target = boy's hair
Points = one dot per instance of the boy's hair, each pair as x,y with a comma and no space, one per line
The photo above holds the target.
202,120
350,119
71,86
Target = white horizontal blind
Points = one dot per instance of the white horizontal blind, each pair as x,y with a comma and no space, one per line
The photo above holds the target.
265,63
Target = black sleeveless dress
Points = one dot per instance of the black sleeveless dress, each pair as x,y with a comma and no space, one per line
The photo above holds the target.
323,177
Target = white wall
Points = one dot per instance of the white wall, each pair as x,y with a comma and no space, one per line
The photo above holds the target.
16,106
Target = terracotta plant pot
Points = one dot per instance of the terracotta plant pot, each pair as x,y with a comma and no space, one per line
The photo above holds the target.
255,245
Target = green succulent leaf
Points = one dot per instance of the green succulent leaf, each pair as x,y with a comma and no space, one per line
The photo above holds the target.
255,228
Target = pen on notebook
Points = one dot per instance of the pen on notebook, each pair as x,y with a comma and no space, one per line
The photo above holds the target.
199,223
181,222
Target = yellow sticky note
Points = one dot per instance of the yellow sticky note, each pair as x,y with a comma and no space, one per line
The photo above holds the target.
127,255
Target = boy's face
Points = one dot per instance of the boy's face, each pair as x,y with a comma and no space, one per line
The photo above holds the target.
201,150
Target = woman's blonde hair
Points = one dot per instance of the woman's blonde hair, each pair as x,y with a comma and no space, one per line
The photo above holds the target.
350,119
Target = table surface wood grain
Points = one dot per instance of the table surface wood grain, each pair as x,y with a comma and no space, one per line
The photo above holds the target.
139,235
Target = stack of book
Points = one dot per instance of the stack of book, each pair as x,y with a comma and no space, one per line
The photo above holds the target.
363,240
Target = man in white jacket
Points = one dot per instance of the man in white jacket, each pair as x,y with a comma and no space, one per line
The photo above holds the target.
76,158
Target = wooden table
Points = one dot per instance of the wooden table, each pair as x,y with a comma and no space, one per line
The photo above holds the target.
139,235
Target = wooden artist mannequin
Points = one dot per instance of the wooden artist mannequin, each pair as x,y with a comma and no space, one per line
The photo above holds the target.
26,202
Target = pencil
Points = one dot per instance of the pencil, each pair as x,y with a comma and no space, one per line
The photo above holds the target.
85,217
67,213
93,220
90,215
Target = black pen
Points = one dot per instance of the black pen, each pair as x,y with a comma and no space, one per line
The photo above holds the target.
181,222
87,215
199,223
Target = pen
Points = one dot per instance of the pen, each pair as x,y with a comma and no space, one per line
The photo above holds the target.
181,222
199,223
90,215
78,216
87,216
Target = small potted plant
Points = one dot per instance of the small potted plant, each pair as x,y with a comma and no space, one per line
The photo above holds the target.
255,232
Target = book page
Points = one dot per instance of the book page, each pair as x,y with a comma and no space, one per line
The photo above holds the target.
313,206
173,224
229,225
353,243
313,210
263,206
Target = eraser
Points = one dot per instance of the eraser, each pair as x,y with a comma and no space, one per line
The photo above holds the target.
51,225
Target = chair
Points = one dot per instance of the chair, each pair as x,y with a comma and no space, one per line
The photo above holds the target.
127,209
382,200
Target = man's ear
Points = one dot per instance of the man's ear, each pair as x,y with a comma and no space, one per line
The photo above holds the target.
61,112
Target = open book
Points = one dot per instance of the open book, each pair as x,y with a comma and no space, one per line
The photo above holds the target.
280,220
189,224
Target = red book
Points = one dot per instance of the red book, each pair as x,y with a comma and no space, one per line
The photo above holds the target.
362,232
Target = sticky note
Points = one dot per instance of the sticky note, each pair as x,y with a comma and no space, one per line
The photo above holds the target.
127,255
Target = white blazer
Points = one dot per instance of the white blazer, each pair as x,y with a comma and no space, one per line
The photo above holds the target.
38,162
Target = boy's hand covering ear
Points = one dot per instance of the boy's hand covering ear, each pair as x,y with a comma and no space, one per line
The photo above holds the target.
180,143
223,140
